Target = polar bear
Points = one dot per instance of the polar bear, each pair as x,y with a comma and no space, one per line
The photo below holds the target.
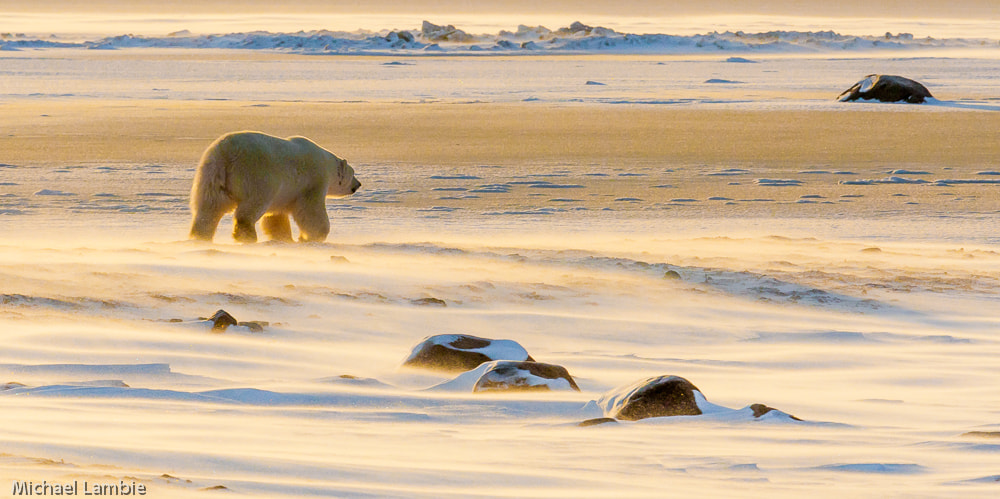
259,175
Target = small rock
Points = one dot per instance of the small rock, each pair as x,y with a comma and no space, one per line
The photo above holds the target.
872,250
596,421
253,326
11,385
339,259
429,302
221,320
671,274
761,409
171,478
982,434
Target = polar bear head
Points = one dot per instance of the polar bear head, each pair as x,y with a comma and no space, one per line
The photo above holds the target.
342,180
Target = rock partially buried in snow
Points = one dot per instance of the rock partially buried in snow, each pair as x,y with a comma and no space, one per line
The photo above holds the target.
662,396
461,352
429,302
650,398
510,375
221,320
760,410
503,375
886,88
596,421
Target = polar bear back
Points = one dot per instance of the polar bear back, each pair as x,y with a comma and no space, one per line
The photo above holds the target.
256,164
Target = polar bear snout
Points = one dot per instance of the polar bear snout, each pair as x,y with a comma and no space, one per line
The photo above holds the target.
343,182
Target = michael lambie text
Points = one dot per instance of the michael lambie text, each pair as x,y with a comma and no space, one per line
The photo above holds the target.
77,488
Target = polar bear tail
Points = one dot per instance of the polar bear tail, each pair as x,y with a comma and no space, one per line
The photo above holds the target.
210,198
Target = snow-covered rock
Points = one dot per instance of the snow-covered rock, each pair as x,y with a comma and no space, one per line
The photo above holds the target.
461,352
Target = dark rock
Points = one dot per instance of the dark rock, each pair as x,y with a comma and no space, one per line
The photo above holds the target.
11,385
461,352
221,320
649,398
761,409
597,421
171,478
433,302
886,88
982,434
671,274
522,376
253,326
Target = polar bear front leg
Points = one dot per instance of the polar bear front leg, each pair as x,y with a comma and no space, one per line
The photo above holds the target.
311,217
277,227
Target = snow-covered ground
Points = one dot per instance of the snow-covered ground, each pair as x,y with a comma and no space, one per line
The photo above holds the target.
859,298
887,355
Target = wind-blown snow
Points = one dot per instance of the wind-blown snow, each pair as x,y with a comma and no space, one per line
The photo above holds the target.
860,297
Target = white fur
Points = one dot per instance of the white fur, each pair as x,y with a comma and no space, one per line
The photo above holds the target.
258,175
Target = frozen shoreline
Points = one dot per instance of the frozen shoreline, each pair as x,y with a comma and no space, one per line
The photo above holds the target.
578,38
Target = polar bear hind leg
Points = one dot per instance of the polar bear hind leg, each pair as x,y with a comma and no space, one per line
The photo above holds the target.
277,227
209,200
205,222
